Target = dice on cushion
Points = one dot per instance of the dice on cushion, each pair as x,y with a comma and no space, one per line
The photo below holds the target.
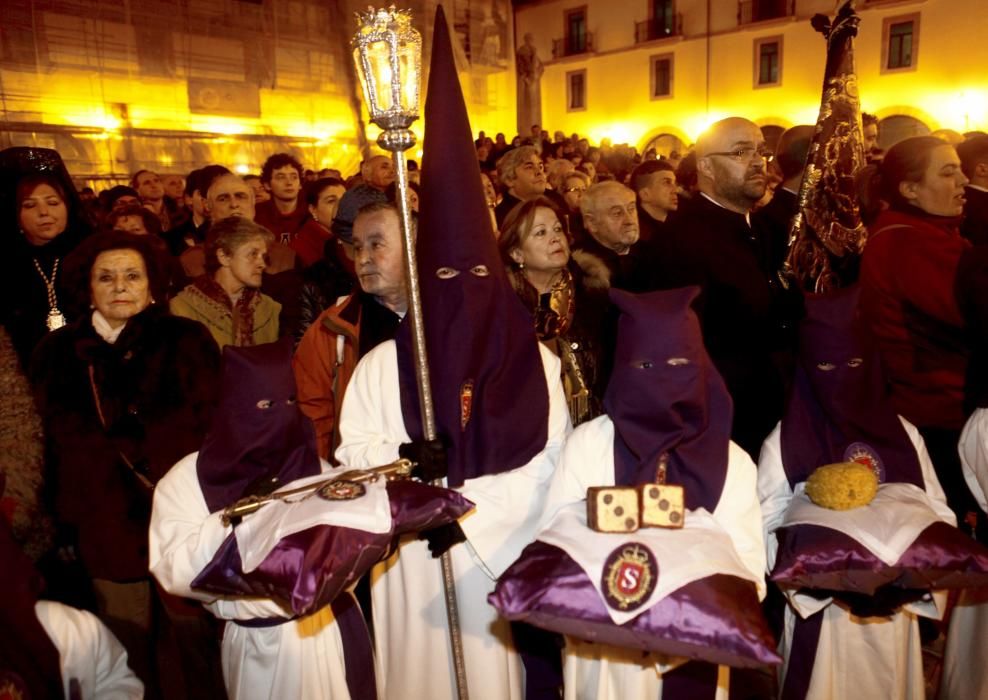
612,508
662,505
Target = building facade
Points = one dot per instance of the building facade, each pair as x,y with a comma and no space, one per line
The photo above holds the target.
657,72
170,85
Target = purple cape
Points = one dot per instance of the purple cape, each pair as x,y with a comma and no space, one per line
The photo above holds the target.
259,440
838,409
488,385
666,397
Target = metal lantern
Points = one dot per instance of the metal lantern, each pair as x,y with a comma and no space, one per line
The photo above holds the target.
388,54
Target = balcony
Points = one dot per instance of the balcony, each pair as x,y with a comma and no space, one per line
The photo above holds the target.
751,11
573,45
659,28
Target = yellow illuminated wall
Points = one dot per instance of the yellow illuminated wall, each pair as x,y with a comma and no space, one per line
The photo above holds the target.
714,72
75,81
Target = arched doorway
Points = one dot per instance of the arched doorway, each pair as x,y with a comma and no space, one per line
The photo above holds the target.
665,144
897,127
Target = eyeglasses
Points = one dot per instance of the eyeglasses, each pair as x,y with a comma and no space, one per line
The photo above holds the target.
574,189
747,154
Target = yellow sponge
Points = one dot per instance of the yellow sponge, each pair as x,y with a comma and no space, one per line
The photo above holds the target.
842,486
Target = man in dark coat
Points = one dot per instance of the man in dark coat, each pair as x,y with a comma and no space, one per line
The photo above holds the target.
974,162
711,243
655,186
610,215
774,218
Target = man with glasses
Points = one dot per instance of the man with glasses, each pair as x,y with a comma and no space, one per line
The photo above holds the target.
711,243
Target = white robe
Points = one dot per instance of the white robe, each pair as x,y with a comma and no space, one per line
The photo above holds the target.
410,626
965,660
300,659
89,653
856,657
600,672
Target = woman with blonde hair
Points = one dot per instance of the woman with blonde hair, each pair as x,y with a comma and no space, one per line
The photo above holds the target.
567,303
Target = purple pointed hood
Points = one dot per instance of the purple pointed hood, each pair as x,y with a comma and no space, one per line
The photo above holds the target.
259,439
488,384
665,396
838,409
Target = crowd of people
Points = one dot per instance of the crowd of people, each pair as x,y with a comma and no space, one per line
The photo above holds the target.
116,309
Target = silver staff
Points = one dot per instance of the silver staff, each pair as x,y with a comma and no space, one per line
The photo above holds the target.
388,54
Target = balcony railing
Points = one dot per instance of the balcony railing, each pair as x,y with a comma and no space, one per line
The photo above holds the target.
652,29
572,45
750,11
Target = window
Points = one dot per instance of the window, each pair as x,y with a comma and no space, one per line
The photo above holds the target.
768,61
576,90
661,83
768,9
900,41
663,18
576,31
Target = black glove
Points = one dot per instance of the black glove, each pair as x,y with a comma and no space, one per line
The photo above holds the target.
443,537
428,456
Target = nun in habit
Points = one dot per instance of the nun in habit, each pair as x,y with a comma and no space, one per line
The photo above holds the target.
838,411
259,442
665,401
499,408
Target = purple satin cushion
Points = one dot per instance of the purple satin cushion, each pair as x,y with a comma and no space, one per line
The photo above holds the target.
307,570
818,558
716,619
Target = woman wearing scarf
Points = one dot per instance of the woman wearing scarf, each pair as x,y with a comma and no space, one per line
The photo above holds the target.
123,393
498,406
567,303
42,222
259,441
227,299
838,411
912,202
664,404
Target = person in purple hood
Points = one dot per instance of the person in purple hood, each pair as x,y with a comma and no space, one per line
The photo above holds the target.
499,409
665,404
839,411
259,442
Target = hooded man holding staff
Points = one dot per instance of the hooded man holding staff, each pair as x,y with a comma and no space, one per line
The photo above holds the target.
500,414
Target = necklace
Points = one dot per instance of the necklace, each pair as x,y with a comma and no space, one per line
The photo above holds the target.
55,317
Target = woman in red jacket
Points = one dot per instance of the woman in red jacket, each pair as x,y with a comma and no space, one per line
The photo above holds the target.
913,202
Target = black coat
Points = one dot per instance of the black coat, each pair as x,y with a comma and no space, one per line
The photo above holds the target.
156,389
23,295
715,249
975,225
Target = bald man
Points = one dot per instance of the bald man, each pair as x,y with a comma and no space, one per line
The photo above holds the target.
711,243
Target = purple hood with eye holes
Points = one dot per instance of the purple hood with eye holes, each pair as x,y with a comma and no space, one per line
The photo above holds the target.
838,409
259,439
488,383
666,397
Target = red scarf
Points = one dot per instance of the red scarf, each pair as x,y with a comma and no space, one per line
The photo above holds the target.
242,312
